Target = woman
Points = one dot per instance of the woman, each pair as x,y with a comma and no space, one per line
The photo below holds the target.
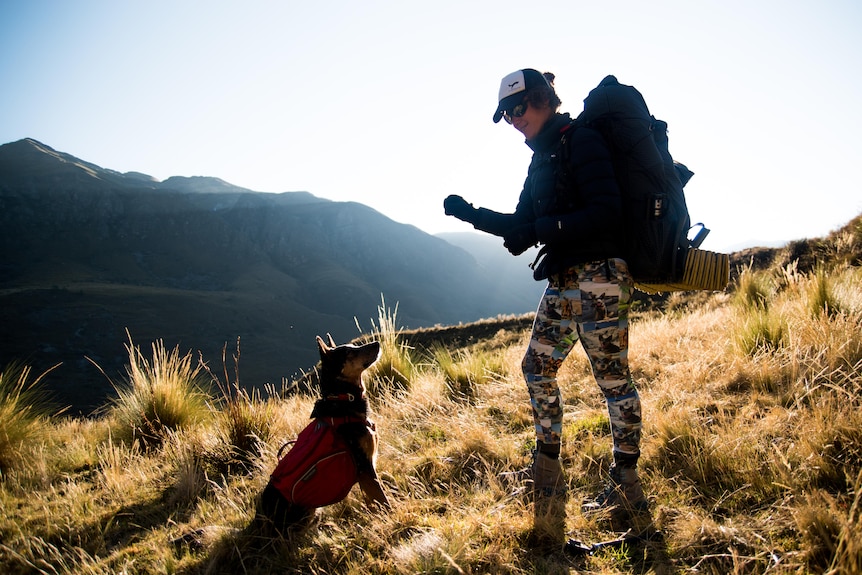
570,205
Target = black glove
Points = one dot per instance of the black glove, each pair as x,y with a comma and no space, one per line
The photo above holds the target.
520,238
458,207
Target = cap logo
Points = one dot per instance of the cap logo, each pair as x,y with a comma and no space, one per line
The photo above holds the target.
512,84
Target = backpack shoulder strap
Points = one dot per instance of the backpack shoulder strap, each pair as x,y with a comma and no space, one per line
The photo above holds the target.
565,149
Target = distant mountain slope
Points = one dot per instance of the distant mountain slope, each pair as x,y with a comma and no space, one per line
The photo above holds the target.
495,260
86,253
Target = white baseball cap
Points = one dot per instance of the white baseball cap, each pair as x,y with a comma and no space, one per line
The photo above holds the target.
513,87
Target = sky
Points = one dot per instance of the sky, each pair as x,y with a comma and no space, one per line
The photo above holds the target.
389,103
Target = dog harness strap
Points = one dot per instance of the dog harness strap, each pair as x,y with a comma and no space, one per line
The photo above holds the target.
337,421
342,397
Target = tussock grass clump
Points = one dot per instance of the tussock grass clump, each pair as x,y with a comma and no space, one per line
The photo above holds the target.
762,332
244,423
465,370
162,394
755,289
821,296
23,408
397,365
244,426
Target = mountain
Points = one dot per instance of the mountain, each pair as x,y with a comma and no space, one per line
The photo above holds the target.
492,257
88,253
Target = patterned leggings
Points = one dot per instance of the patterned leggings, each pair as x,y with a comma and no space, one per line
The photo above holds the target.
589,302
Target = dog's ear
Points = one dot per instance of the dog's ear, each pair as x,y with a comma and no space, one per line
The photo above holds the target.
331,341
321,345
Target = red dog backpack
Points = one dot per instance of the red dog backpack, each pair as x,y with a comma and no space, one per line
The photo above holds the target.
318,470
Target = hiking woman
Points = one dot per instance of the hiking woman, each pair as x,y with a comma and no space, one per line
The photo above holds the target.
570,206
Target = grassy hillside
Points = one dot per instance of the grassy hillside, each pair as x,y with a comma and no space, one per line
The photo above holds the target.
752,450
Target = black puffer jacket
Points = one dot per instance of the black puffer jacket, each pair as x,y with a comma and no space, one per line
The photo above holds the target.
580,222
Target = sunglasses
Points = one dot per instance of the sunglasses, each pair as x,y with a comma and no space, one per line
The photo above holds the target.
515,112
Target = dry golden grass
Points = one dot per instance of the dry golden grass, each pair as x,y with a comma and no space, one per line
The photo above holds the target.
752,458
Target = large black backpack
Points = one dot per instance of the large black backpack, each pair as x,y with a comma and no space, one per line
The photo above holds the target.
656,219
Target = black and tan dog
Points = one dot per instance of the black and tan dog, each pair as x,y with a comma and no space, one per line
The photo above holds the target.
344,406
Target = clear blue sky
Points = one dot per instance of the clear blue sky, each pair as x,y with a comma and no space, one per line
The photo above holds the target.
389,103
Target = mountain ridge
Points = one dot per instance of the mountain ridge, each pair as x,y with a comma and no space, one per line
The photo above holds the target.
88,253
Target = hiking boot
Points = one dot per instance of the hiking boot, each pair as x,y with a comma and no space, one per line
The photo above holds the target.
622,496
549,502
544,475
547,472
